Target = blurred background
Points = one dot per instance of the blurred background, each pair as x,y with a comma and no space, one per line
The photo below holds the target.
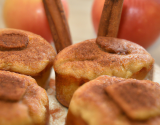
81,27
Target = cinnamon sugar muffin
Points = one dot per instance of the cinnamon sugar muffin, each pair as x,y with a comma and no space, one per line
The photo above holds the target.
115,101
26,53
22,101
89,59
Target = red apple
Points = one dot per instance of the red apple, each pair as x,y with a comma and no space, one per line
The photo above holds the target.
140,21
28,15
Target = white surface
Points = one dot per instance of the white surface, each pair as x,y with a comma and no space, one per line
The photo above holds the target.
57,118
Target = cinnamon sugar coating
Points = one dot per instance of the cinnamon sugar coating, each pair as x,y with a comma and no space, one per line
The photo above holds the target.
89,59
24,52
109,56
22,101
93,105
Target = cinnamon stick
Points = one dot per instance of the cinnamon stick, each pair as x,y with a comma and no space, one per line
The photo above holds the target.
110,19
58,24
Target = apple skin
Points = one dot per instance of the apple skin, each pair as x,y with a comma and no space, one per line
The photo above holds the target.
29,15
140,20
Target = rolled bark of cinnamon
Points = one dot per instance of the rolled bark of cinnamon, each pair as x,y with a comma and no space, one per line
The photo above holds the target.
58,24
110,18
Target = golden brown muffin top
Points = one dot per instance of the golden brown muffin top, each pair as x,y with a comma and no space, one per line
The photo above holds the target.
117,101
107,56
24,52
22,101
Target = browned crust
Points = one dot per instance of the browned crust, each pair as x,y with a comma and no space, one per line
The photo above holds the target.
30,60
29,105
